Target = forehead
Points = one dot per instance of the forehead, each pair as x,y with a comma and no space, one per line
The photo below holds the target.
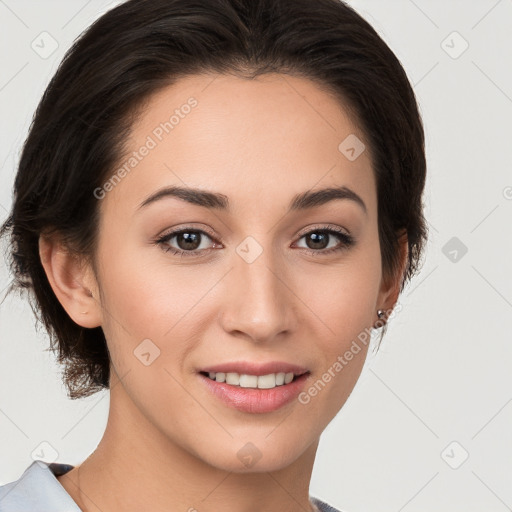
277,135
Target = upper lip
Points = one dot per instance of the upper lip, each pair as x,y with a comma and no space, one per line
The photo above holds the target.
258,369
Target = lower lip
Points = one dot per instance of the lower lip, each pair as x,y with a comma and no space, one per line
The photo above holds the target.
256,400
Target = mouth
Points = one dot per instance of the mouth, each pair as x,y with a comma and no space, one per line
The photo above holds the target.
259,389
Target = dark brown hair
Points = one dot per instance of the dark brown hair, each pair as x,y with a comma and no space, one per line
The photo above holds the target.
86,113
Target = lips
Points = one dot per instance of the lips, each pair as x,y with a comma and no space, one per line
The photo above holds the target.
267,395
249,400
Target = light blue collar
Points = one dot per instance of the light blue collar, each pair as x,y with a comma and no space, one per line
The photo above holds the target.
38,490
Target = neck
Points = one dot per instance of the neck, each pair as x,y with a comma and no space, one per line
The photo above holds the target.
137,467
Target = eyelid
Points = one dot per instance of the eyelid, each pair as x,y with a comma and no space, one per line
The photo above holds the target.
324,227
177,230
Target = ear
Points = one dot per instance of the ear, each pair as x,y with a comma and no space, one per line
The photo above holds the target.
72,281
390,287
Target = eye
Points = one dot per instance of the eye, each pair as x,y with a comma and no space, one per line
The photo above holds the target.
318,241
190,242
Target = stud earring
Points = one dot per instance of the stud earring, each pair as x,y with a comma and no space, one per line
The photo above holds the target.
379,323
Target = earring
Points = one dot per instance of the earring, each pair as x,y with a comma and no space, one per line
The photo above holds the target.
379,323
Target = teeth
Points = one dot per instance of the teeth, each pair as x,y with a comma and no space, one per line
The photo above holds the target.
253,381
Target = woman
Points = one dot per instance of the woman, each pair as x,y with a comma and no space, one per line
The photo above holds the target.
218,200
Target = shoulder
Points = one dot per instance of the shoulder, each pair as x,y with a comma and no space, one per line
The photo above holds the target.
323,506
38,490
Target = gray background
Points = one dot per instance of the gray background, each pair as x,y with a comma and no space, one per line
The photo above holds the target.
428,426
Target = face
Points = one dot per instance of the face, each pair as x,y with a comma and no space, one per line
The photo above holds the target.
250,275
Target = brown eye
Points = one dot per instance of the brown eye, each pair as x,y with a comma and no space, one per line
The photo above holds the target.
323,241
317,240
186,242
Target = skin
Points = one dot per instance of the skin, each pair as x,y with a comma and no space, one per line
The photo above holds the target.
169,443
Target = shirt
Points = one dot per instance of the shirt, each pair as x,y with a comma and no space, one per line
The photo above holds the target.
38,490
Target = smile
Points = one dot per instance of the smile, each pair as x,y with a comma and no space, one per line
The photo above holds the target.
243,380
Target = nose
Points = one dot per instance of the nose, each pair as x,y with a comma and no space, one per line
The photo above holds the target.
260,304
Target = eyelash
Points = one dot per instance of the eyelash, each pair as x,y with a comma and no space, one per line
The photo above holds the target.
346,241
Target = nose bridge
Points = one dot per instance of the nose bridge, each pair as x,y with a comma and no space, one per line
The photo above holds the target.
260,303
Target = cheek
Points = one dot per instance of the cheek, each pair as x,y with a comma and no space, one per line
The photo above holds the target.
144,294
147,298
343,306
342,296
341,302
343,314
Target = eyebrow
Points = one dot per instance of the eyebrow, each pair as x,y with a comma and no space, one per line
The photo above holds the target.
217,201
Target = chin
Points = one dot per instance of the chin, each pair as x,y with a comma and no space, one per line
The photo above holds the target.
260,455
